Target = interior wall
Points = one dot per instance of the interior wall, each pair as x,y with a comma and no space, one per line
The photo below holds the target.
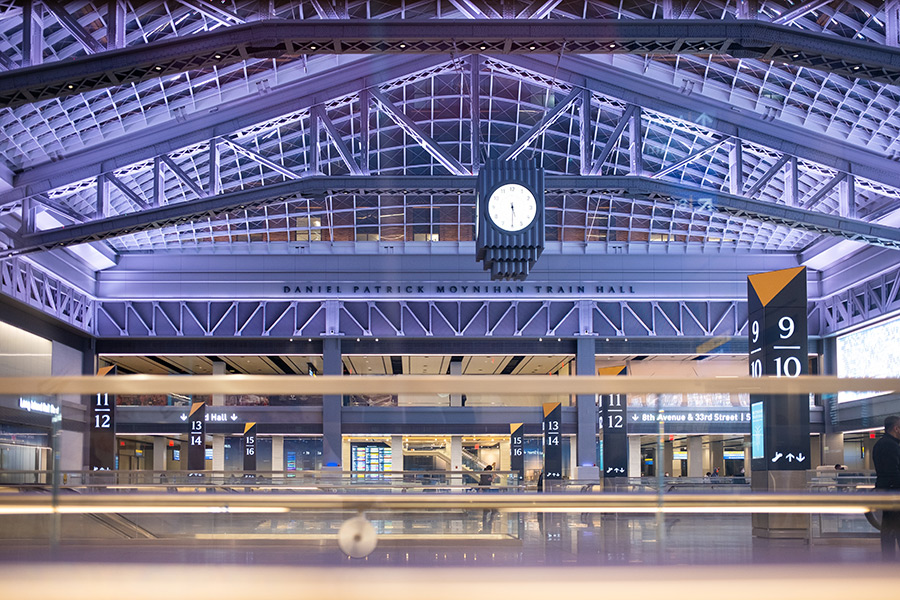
23,354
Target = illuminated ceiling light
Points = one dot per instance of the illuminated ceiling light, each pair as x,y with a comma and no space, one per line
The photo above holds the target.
532,47
159,68
71,87
856,68
403,45
795,56
218,56
702,47
313,47
484,47
612,45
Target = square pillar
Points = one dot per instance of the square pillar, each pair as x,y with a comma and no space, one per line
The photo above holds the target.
218,440
396,453
695,456
456,369
159,453
278,453
634,456
331,406
832,449
585,459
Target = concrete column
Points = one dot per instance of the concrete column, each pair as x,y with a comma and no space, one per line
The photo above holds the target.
346,458
504,463
456,369
396,453
748,447
634,456
668,462
331,406
218,441
585,458
159,453
717,456
278,453
65,360
456,458
695,456
833,449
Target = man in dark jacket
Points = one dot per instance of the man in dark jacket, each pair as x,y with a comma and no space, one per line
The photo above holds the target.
886,456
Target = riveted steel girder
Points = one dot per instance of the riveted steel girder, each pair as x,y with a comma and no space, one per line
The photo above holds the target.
282,38
628,187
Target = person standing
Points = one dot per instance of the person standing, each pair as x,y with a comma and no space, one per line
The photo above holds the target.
886,457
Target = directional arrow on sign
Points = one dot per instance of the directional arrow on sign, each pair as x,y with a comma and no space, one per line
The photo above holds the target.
233,417
183,417
800,457
635,417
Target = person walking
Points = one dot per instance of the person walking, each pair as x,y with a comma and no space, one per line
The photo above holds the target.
886,457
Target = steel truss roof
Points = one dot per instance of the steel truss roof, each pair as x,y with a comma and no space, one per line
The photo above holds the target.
713,124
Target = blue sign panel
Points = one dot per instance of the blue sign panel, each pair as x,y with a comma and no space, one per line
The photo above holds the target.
758,446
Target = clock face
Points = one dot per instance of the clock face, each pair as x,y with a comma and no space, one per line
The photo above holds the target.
512,207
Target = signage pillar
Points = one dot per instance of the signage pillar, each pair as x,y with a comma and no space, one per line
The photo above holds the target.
103,429
196,459
586,405
332,404
552,443
777,330
249,449
614,421
517,449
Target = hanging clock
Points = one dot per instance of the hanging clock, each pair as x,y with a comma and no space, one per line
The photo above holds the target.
510,217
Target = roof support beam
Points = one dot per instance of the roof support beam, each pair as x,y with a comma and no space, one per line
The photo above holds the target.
519,37
230,117
115,24
344,152
539,9
613,140
811,202
70,24
892,23
181,175
735,167
628,187
767,176
255,156
128,192
413,130
475,108
584,131
541,126
801,11
715,116
212,11
635,143
711,147
365,101
32,33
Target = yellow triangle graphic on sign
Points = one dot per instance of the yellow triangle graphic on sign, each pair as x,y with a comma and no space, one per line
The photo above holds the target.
548,408
248,427
104,370
196,406
610,370
767,285
513,427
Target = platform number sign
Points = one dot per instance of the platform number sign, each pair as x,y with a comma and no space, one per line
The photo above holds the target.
103,429
552,441
517,449
249,448
777,332
613,421
197,439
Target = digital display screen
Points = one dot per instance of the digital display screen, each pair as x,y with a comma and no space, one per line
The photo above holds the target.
870,352
176,454
757,442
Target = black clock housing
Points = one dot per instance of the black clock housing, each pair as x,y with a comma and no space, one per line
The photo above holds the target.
508,255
